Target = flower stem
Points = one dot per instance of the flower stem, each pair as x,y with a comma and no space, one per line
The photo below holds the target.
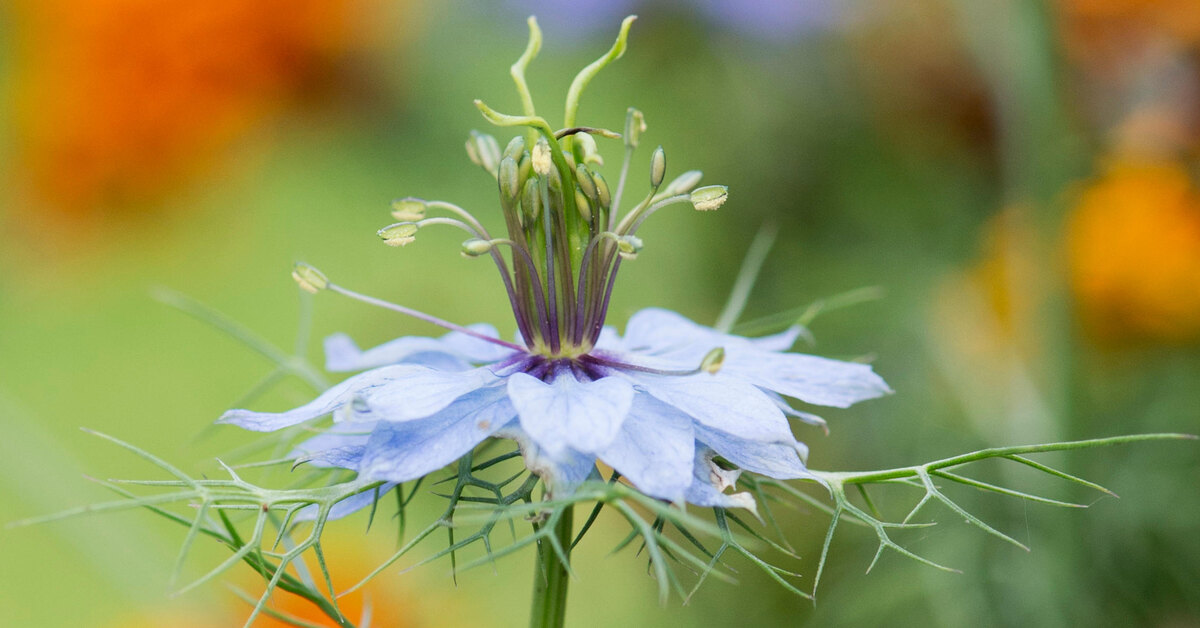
550,580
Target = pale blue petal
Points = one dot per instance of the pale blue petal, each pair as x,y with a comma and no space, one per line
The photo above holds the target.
342,354
327,402
722,403
807,417
404,451
570,414
654,449
704,491
347,506
562,474
339,446
781,461
655,330
424,392
609,339
809,378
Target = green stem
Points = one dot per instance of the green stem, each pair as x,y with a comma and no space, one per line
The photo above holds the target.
551,578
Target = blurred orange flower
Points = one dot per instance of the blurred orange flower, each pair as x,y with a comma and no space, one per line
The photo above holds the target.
1133,239
118,99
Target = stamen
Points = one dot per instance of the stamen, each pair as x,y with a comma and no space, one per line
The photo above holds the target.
710,364
424,317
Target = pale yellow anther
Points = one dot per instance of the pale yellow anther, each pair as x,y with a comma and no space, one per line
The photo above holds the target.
713,360
709,197
308,278
408,209
542,161
399,234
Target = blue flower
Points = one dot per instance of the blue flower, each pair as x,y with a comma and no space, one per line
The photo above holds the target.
657,404
422,403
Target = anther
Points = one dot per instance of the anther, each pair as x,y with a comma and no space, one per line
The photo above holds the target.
587,146
683,183
713,360
515,148
308,278
709,197
531,201
586,182
635,125
476,247
510,182
583,205
542,161
658,167
483,150
399,234
408,209
603,197
628,246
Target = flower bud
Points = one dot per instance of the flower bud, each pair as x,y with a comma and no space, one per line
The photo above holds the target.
635,125
658,167
308,278
683,183
509,179
542,161
531,201
587,145
408,209
587,183
475,247
603,196
483,150
713,360
709,197
628,247
582,204
399,234
515,148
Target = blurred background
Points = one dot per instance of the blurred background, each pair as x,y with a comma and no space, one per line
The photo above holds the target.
1017,178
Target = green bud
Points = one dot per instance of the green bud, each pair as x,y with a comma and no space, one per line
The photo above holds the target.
658,167
509,179
408,209
531,200
475,247
483,150
683,183
308,278
586,183
713,360
628,247
399,234
587,145
515,148
635,125
583,205
709,197
603,197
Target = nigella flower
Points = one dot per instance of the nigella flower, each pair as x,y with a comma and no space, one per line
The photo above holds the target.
656,404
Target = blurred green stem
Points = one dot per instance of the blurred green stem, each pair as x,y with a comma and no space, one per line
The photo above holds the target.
550,579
